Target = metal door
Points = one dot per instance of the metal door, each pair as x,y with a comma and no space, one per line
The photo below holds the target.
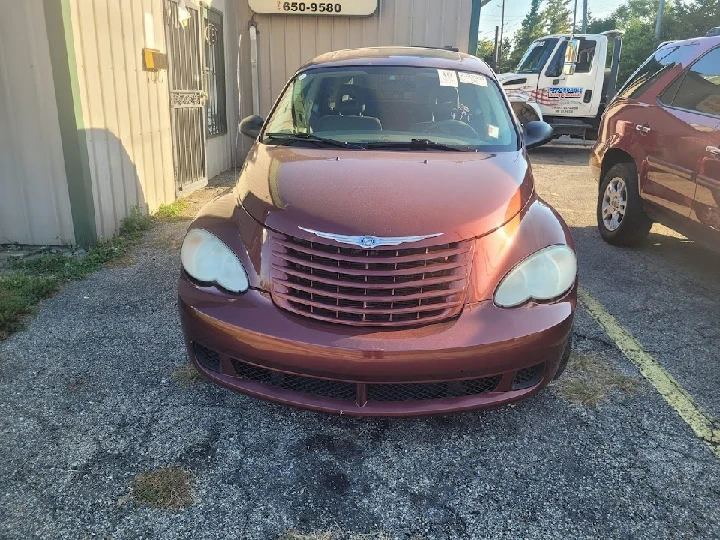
187,95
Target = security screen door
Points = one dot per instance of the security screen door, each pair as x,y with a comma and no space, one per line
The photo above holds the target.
187,95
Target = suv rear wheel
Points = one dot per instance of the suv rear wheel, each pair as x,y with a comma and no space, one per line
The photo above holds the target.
621,219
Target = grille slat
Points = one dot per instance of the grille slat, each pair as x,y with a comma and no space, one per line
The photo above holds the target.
391,284
374,298
371,287
370,308
366,270
364,255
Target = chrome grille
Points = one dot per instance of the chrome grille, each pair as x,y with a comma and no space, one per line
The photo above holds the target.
370,287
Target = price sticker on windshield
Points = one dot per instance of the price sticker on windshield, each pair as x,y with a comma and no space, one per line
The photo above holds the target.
472,78
447,77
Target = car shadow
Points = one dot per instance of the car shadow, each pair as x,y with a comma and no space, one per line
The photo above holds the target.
667,253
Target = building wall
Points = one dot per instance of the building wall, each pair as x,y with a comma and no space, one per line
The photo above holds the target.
125,109
285,42
34,202
221,149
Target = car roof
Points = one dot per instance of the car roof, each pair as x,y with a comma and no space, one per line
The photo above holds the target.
707,42
400,56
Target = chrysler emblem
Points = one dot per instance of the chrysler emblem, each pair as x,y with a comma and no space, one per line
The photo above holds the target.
369,242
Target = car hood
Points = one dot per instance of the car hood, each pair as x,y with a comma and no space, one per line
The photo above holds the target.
513,81
383,193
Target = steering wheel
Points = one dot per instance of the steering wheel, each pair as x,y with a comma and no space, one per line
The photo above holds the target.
453,127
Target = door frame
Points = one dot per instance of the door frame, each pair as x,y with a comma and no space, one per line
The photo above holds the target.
197,6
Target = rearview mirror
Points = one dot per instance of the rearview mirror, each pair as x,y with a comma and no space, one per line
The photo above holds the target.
571,56
537,134
250,126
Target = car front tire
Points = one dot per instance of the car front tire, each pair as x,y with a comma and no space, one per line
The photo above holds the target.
620,216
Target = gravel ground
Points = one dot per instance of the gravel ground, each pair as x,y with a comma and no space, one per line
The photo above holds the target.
88,400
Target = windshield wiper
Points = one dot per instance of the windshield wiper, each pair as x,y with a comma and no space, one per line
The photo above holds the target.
421,144
309,137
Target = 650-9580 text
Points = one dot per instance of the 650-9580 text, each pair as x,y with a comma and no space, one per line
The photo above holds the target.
314,7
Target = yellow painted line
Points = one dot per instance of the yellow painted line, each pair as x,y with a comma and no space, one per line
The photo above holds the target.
676,396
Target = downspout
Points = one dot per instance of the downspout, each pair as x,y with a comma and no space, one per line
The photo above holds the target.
474,27
254,69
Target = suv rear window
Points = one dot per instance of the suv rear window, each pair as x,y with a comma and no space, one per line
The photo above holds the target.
699,89
654,67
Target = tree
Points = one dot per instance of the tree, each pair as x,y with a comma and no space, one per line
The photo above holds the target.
530,29
596,26
486,51
696,18
504,64
637,19
557,17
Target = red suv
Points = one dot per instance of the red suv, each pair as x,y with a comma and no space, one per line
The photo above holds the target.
658,154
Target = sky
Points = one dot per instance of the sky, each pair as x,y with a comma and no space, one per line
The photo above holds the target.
515,11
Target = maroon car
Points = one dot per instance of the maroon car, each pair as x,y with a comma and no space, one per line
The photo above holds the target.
384,251
658,153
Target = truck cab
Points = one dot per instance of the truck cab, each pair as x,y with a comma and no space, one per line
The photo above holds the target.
566,80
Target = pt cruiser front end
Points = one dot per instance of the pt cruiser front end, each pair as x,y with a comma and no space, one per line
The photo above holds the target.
384,252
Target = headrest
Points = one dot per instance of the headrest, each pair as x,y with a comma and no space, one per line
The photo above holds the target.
350,100
447,94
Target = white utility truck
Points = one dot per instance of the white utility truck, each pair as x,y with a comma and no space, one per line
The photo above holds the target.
566,80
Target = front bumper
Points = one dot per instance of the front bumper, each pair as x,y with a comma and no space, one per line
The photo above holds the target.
597,154
484,357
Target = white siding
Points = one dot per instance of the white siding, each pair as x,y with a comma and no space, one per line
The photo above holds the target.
125,109
34,202
220,149
285,42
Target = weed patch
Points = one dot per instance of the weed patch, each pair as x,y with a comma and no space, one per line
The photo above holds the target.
168,488
292,534
187,375
173,212
28,281
588,380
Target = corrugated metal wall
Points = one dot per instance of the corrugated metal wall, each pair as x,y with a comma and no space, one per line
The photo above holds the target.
125,109
285,42
220,149
34,203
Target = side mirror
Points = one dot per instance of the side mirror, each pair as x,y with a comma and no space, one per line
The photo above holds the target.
571,56
250,126
537,134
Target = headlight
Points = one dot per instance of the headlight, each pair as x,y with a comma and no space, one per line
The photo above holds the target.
207,259
544,275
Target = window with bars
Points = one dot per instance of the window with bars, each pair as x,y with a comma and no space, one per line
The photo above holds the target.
215,71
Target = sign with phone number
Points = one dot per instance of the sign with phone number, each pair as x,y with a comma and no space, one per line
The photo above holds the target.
338,7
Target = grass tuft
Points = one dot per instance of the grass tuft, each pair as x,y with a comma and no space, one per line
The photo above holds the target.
589,379
172,212
187,375
28,281
168,488
292,534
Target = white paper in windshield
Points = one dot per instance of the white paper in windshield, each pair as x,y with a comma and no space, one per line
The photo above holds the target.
472,78
447,77
493,131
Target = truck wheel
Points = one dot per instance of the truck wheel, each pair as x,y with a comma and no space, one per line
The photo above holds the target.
525,113
621,219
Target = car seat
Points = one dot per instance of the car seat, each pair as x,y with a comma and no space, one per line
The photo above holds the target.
350,103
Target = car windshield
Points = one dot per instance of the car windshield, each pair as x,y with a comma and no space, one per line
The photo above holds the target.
393,107
537,56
